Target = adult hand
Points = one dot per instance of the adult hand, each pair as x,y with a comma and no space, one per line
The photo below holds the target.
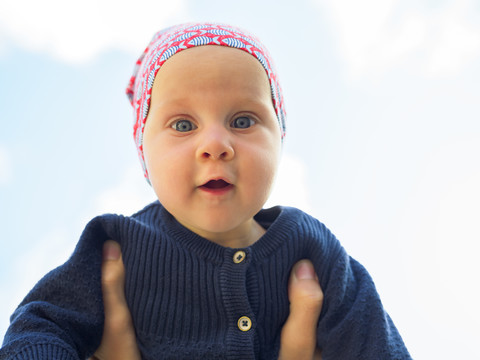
118,340
298,337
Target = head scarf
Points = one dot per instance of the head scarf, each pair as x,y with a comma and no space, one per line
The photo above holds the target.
172,40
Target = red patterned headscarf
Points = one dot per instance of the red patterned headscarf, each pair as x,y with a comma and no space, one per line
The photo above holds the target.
170,41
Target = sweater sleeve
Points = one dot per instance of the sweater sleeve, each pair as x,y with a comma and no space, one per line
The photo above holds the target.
353,323
62,316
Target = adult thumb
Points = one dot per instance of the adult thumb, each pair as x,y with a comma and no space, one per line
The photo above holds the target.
298,338
118,340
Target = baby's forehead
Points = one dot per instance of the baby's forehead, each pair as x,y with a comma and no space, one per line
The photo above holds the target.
212,69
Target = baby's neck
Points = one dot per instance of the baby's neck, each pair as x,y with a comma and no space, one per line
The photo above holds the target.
242,237
244,240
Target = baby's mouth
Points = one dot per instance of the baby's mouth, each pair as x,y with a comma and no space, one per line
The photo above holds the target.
216,184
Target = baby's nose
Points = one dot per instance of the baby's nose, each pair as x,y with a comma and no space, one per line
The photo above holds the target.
215,144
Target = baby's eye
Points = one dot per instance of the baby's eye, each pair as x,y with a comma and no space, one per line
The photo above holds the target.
183,126
242,122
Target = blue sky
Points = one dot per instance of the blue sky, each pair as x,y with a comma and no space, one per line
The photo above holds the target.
383,138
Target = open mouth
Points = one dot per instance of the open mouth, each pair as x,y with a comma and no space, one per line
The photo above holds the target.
216,185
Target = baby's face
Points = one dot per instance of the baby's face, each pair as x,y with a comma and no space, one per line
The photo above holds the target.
212,141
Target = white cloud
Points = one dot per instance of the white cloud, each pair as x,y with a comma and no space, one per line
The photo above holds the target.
439,232
375,35
6,171
77,31
457,41
129,195
291,186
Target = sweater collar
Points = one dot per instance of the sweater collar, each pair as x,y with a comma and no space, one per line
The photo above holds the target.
278,222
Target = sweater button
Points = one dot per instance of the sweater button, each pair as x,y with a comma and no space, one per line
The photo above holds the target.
239,257
244,323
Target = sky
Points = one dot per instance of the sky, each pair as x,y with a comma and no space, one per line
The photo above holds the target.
383,139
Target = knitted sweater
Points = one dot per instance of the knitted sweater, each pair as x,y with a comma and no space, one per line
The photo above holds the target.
193,299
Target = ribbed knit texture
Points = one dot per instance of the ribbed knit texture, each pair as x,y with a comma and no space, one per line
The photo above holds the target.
186,294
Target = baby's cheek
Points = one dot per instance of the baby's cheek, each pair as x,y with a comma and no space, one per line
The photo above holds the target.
262,179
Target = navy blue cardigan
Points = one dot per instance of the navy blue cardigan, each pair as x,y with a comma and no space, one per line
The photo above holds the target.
187,294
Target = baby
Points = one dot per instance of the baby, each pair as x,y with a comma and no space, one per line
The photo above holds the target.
206,268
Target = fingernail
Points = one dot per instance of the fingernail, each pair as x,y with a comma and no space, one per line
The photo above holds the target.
111,250
305,270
